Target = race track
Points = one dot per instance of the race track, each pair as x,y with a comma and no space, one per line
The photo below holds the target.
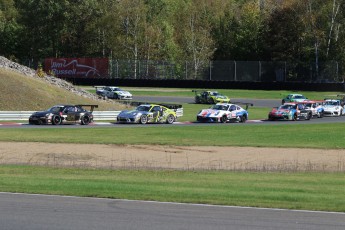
32,212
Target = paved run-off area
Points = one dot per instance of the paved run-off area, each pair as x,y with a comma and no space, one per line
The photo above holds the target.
172,157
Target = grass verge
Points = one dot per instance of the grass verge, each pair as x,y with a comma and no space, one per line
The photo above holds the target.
232,93
330,136
272,190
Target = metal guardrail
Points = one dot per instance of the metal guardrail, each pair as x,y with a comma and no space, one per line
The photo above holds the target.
97,115
24,115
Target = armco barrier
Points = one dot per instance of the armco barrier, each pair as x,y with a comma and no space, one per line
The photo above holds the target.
97,115
24,115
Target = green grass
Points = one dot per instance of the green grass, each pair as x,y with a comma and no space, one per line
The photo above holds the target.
232,93
287,134
317,191
23,93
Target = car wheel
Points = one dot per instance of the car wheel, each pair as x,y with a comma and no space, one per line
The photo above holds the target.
294,118
170,119
309,116
283,101
243,119
210,100
116,96
56,120
85,120
224,119
143,119
320,114
197,100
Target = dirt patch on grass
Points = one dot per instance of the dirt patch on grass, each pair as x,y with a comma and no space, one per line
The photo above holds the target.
172,157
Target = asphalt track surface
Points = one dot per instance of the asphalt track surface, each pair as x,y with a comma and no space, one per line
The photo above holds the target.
20,211
35,212
163,99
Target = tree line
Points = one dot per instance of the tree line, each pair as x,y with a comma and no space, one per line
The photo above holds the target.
301,31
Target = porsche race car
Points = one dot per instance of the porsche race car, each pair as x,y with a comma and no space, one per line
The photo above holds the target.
151,113
316,108
294,98
334,107
290,111
113,92
223,112
63,114
210,97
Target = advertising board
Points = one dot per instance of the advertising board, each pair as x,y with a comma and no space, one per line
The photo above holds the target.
77,67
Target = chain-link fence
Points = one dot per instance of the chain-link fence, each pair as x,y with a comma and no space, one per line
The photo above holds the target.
259,71
251,71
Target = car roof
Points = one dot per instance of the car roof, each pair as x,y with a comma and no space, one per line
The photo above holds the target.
227,104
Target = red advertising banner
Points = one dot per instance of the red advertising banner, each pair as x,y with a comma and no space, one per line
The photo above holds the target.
77,67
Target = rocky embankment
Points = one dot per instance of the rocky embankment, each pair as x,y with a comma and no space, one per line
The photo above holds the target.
7,64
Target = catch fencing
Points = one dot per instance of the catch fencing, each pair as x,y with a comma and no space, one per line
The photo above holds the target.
222,70
248,71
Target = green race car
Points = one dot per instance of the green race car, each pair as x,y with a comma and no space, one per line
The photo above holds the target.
210,97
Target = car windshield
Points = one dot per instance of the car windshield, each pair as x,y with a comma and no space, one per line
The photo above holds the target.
143,108
54,109
286,106
215,94
332,103
220,107
299,97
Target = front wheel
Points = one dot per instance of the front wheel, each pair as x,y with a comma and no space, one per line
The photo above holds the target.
294,118
243,119
210,100
56,120
143,119
224,119
309,116
170,119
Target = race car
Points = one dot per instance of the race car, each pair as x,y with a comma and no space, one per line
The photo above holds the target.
316,108
334,107
113,92
63,114
294,98
210,97
290,111
223,112
151,113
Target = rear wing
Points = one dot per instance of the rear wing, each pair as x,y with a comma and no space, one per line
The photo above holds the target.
91,107
175,107
196,91
243,103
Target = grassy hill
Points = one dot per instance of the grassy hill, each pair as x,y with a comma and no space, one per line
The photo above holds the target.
24,93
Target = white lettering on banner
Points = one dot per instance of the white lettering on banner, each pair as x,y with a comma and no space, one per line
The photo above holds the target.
64,71
82,69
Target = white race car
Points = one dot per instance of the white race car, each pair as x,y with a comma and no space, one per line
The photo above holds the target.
316,107
223,112
113,92
333,107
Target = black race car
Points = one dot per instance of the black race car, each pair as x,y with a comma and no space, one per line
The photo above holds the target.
63,114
